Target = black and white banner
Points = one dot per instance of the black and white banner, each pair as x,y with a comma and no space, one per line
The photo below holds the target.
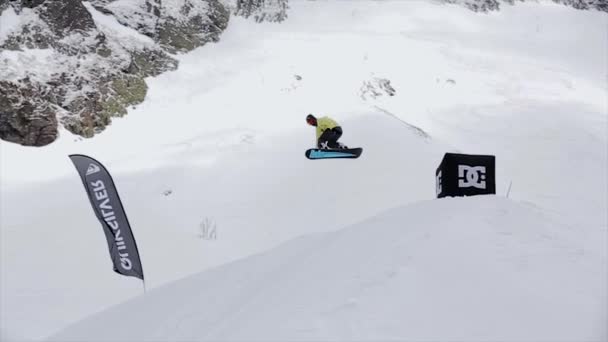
107,207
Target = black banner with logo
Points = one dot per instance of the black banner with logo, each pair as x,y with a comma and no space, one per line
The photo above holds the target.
109,210
466,175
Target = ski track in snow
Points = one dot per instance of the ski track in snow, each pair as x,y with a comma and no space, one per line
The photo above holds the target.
222,139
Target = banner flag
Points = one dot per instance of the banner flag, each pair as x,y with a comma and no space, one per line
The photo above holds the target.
109,210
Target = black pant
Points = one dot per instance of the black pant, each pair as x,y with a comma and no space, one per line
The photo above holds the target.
329,138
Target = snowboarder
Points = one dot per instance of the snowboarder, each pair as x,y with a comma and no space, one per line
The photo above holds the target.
328,132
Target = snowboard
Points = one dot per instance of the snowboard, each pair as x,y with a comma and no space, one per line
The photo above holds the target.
317,153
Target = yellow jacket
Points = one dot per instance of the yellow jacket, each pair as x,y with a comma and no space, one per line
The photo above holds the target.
323,124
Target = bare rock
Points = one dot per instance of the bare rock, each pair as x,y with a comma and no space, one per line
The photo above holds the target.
66,16
26,115
263,10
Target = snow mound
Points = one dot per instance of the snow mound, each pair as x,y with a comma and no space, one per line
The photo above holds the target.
476,269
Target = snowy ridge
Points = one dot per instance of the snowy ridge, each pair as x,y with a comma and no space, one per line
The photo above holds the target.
476,269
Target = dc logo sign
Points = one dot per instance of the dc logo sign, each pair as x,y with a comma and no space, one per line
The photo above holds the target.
465,175
438,182
471,176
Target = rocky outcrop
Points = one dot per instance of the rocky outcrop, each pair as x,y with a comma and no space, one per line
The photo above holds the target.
263,10
27,115
150,62
111,99
494,5
197,27
64,17
477,5
58,66
177,25
3,5
600,5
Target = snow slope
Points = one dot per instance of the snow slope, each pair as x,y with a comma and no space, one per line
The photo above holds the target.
476,269
221,140
253,211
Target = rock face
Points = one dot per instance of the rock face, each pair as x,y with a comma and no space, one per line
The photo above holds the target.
64,17
477,5
263,10
61,66
494,5
27,115
600,5
177,25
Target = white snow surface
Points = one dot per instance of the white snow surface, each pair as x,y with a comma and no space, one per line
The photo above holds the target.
222,139
9,23
13,64
486,269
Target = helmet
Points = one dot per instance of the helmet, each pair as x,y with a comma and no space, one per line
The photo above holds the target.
311,120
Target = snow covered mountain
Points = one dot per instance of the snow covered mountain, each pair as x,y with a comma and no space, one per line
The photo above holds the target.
210,168
78,64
